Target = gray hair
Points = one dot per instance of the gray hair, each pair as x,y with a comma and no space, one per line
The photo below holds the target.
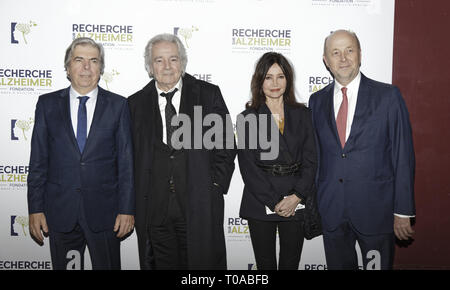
164,37
84,41
341,30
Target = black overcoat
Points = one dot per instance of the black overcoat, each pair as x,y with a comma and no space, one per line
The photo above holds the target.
205,202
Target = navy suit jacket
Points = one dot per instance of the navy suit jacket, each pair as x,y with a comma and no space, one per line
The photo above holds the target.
372,177
60,177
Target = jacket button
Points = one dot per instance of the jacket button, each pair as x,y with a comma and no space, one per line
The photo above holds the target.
343,155
341,180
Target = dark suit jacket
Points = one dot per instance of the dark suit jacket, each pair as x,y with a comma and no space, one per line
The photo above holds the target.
205,203
373,176
61,177
261,188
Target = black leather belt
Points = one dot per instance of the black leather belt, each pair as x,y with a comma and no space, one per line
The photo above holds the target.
281,169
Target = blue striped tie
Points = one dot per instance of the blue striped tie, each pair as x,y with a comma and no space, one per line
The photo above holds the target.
82,123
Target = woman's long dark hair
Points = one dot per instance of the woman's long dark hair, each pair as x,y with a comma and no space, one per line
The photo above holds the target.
263,65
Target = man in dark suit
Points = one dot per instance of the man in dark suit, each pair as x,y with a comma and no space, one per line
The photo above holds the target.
180,204
80,185
366,161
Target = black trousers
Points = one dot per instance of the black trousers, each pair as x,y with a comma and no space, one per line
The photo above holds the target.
67,249
169,239
263,236
377,251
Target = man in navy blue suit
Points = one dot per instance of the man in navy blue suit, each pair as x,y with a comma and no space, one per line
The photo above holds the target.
80,184
366,161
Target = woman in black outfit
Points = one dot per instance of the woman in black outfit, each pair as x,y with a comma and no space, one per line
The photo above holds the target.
274,188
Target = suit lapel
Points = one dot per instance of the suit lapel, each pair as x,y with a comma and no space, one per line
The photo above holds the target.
102,102
362,111
329,107
148,125
284,138
153,122
64,107
283,146
190,96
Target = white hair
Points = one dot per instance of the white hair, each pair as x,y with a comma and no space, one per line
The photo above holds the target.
159,38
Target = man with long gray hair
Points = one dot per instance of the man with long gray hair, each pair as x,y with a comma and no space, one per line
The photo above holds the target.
80,185
180,204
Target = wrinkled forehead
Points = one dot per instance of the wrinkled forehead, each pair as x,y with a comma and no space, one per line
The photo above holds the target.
164,48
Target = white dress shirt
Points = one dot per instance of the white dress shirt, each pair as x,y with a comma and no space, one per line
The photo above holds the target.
162,101
90,107
352,96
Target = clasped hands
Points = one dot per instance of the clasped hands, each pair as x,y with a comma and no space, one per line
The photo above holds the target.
286,207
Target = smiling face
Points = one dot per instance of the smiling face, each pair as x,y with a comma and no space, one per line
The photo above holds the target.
84,68
342,56
166,64
274,84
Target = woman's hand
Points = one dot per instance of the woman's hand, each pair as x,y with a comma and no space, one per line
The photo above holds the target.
286,207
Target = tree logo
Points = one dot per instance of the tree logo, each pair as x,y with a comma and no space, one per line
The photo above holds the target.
108,77
185,33
21,220
19,127
19,31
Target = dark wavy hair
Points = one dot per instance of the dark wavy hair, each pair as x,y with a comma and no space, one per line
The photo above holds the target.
262,67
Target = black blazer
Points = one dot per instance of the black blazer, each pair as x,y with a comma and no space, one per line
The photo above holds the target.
205,202
263,189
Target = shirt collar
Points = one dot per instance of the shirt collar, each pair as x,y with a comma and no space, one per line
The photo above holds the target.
92,94
179,85
353,86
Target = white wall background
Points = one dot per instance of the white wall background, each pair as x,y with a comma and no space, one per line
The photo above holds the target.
35,34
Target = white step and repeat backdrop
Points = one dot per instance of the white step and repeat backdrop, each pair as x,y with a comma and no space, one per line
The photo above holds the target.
223,38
